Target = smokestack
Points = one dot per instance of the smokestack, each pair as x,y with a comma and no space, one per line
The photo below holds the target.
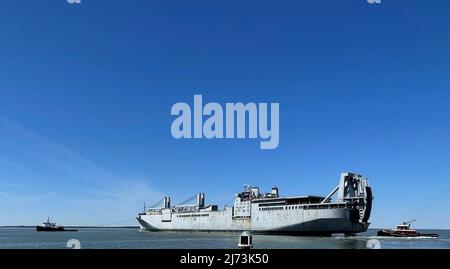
274,192
201,200
166,202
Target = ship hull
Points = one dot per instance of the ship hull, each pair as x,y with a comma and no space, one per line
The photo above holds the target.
392,233
320,222
53,229
49,229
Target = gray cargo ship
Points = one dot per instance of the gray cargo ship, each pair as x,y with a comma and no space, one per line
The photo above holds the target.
346,209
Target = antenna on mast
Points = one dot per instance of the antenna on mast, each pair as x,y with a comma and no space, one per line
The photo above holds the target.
408,222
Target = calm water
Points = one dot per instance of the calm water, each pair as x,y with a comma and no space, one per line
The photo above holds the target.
132,238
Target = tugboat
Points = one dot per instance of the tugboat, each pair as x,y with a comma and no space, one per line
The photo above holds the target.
404,230
52,227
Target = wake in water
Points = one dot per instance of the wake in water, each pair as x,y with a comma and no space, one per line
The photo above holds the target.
383,237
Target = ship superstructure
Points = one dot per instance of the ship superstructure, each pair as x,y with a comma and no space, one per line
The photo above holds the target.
271,213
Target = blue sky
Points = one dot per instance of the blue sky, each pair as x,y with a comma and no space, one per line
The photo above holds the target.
86,92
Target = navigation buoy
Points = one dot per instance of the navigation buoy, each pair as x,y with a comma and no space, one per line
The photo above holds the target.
245,241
